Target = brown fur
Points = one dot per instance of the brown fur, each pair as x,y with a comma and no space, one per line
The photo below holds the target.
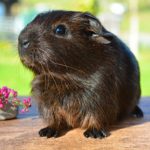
86,78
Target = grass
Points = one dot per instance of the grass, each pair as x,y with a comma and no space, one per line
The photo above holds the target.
144,61
12,72
14,75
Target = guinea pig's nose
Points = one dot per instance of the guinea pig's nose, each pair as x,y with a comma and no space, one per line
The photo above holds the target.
25,43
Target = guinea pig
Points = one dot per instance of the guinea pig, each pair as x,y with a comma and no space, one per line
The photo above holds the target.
84,76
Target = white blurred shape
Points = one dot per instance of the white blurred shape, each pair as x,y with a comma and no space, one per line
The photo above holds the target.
117,8
40,7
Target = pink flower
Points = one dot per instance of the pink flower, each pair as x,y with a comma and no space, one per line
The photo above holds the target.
10,95
24,110
14,93
4,91
27,102
6,95
6,100
1,105
4,88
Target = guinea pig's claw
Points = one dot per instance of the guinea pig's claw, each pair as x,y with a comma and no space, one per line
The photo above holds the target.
94,133
48,132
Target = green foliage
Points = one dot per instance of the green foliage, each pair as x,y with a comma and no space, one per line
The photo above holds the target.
143,16
144,61
95,6
12,73
82,5
144,5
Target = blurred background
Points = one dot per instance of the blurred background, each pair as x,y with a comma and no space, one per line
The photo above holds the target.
129,19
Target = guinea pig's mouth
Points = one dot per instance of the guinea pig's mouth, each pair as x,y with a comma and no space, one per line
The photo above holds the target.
31,64
27,61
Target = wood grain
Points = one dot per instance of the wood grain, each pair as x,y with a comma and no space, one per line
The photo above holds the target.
22,134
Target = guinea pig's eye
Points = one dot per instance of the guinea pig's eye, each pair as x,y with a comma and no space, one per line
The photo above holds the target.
60,30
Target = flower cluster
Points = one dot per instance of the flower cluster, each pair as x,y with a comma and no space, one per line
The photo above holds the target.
10,95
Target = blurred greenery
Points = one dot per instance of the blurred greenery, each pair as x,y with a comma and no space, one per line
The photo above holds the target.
12,73
96,6
143,25
82,5
144,61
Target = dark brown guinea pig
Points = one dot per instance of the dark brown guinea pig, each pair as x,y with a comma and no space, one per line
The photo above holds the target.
84,75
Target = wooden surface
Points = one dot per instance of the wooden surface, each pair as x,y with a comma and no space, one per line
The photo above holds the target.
22,134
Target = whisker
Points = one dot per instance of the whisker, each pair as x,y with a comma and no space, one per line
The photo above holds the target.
52,77
47,82
63,65
66,77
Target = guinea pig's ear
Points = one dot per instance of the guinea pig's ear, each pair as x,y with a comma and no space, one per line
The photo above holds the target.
96,30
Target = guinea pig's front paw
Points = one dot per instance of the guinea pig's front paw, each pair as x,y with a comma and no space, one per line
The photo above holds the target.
94,133
48,132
